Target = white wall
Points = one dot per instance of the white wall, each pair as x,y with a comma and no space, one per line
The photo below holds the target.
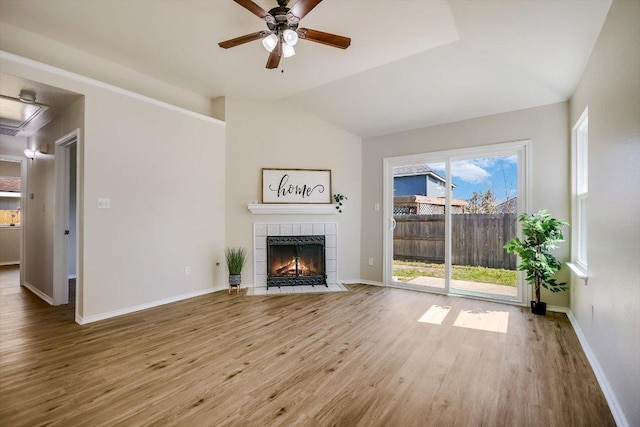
73,206
10,168
546,126
164,171
39,210
610,87
275,135
10,245
12,145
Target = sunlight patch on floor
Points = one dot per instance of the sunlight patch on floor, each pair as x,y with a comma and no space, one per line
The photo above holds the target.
483,320
435,314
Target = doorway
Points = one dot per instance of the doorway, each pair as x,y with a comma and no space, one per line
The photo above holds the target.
448,216
66,282
12,211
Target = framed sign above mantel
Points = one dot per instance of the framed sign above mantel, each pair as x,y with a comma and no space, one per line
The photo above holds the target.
296,186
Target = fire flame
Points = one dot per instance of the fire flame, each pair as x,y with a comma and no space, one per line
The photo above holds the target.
289,268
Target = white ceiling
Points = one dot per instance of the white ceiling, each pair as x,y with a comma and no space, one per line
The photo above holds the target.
410,64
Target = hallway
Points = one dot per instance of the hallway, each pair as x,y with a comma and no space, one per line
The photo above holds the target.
9,279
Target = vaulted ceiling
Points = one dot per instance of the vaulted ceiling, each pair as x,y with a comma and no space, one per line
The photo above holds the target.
410,64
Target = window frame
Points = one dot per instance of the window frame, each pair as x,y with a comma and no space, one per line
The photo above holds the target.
580,192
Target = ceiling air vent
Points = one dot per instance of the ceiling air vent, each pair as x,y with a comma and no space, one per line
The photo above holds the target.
10,132
17,113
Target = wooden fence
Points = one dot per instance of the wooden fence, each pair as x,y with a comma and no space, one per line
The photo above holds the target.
8,217
477,239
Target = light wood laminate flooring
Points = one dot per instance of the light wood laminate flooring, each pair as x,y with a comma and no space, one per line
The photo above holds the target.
357,358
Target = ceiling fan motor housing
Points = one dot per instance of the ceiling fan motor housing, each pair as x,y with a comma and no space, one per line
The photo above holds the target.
282,20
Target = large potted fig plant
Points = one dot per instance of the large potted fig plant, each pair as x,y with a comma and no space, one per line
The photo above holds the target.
540,232
236,258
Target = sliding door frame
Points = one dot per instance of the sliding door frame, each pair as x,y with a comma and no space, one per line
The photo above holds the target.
523,150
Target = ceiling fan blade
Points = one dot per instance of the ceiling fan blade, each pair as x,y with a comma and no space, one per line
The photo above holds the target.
253,8
274,57
301,8
243,39
328,39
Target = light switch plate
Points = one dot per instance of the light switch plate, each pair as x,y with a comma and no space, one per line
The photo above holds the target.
104,203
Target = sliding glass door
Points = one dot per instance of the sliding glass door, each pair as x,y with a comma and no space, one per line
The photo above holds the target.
419,245
483,219
448,216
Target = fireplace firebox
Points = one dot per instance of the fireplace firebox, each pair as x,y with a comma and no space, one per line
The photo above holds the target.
296,260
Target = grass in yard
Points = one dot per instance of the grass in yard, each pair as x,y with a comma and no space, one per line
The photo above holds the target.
407,270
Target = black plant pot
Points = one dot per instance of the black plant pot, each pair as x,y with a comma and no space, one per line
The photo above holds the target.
539,308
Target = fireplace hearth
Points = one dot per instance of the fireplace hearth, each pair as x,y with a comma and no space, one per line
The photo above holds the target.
296,260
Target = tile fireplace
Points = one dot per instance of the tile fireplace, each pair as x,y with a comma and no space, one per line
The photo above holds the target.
286,238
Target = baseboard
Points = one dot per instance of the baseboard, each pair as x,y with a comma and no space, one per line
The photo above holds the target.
614,405
557,309
133,309
38,293
10,263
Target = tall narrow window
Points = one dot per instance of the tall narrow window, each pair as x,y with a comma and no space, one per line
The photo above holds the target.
580,186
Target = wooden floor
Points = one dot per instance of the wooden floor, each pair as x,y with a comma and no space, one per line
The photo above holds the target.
358,358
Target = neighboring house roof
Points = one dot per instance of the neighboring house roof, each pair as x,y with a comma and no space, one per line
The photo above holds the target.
10,184
399,200
413,170
508,206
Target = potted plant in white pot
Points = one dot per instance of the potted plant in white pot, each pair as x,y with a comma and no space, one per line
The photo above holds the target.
541,232
236,259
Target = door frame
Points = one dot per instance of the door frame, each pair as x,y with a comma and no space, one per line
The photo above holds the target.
23,209
523,147
61,219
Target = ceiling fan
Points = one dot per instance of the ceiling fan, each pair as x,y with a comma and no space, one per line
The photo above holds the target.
283,31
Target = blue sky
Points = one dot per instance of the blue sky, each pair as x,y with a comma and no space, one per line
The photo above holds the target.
498,174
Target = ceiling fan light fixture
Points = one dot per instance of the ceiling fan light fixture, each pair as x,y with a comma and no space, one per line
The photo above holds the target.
270,42
288,51
290,37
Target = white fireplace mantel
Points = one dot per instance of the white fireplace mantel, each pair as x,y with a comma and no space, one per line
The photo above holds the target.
290,208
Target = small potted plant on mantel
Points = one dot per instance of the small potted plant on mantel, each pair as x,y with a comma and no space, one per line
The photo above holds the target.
541,232
236,258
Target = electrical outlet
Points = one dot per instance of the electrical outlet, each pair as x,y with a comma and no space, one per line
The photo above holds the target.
187,270
104,203
370,261
376,206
